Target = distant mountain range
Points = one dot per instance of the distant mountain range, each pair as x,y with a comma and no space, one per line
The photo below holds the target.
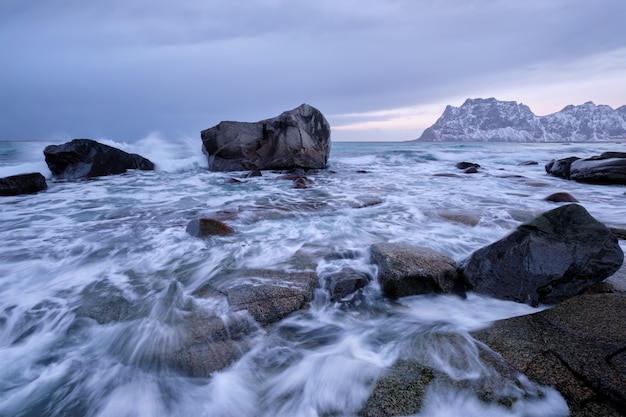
491,120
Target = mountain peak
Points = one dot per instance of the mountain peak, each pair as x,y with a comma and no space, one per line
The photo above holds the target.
492,120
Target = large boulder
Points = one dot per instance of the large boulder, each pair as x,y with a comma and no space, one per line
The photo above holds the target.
22,184
299,138
405,270
607,168
550,259
578,347
85,158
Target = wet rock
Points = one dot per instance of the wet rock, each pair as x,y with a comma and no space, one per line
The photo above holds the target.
465,165
299,138
104,303
362,201
270,300
561,197
86,158
302,182
211,343
528,163
578,347
254,173
618,232
550,259
602,169
208,227
22,184
345,282
459,216
472,370
607,168
470,170
405,270
560,167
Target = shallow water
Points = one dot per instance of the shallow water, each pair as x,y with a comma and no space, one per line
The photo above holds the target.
123,237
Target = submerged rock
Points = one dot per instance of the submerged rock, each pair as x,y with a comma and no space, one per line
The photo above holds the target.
299,138
22,184
208,227
86,158
550,259
447,362
211,343
405,270
578,347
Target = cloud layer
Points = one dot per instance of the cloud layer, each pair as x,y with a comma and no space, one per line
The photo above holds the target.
379,69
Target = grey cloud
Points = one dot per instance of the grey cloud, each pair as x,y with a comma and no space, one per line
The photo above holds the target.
125,68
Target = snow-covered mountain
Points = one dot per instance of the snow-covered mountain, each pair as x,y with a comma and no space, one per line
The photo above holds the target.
491,120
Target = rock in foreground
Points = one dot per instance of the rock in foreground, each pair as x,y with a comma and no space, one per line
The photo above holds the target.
22,184
548,260
86,158
299,138
405,270
578,347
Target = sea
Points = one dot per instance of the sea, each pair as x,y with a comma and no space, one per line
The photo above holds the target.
126,235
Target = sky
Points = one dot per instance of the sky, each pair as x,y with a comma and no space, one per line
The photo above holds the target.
377,69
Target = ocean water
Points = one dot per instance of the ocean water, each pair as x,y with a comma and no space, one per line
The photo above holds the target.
124,237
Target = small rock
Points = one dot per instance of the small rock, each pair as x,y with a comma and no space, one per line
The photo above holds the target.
405,270
466,165
208,227
561,197
345,282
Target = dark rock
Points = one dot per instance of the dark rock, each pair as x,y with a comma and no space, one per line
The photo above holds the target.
561,197
528,163
22,184
361,171
550,259
254,173
578,347
618,232
85,158
208,227
465,165
599,170
405,270
302,182
210,343
607,168
560,167
345,282
470,170
298,138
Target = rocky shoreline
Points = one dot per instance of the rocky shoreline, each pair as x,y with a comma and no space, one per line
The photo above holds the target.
563,257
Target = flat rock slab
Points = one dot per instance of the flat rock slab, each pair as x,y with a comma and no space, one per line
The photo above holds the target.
579,347
405,270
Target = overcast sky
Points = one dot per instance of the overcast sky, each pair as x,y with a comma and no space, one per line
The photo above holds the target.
377,69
